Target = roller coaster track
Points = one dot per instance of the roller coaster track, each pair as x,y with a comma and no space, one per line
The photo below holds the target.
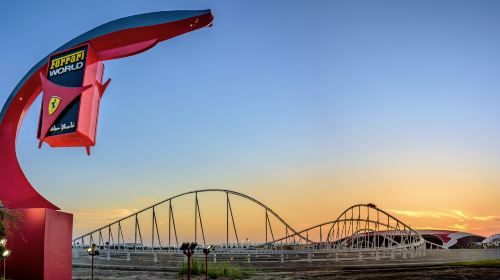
361,227
229,214
343,219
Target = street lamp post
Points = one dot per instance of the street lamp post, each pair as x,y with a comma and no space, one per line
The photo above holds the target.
93,252
188,250
5,254
206,251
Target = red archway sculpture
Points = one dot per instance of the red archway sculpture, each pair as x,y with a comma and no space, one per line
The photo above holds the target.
116,39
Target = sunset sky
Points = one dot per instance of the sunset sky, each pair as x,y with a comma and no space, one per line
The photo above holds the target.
308,106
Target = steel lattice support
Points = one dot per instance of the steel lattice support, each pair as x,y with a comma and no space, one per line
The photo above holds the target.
360,228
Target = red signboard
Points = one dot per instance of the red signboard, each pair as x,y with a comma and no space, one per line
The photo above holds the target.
72,91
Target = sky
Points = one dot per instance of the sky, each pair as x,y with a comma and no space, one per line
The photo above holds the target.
308,106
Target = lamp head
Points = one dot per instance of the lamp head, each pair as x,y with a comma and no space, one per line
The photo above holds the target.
184,246
192,246
6,253
206,250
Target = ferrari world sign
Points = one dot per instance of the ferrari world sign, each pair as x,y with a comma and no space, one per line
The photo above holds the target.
71,79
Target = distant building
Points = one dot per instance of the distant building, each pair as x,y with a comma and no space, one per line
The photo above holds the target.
451,239
492,241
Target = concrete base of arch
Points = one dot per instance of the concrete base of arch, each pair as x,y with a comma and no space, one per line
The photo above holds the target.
40,241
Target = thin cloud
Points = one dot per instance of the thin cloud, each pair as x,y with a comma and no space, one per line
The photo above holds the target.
485,218
91,218
446,213
428,228
459,226
409,213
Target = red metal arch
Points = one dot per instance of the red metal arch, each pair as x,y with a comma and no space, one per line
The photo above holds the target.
120,38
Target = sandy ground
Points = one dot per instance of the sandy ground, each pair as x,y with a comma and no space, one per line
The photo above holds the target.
267,267
422,273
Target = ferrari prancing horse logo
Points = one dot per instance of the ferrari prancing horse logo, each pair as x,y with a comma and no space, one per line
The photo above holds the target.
53,104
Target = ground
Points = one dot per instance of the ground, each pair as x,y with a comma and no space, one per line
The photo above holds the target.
449,265
420,273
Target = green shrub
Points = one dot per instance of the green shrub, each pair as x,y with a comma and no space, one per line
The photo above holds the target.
197,267
215,270
7,219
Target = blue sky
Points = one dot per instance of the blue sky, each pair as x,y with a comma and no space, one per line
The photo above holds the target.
301,98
